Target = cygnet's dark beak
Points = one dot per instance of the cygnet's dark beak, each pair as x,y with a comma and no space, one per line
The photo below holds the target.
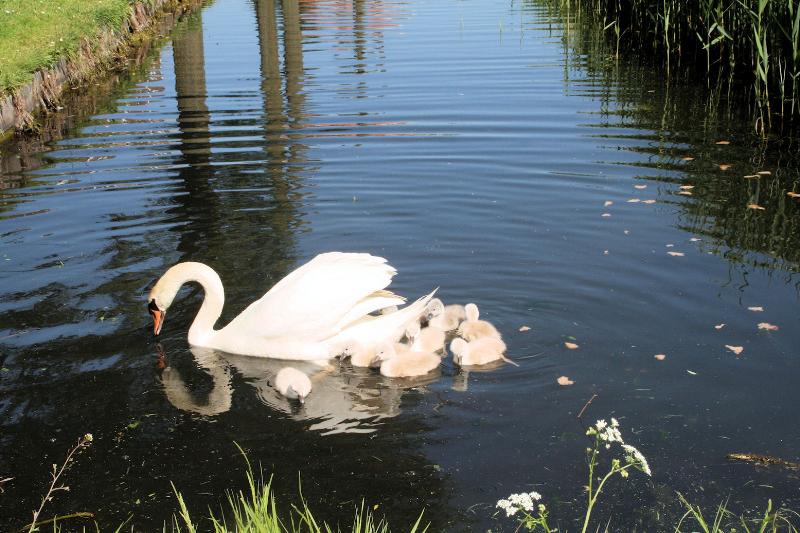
158,316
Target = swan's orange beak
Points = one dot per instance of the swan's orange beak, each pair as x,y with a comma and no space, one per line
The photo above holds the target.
158,317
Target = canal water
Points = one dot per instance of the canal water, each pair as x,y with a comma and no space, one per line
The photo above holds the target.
487,148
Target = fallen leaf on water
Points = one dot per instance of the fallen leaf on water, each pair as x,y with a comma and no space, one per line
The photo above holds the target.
669,245
695,239
676,254
756,308
564,381
735,349
724,166
764,173
793,194
688,158
651,201
660,356
607,203
767,326
722,142
571,345
606,215
634,201
719,326
685,193
640,186
626,231
605,252
752,177
687,187
755,206
524,328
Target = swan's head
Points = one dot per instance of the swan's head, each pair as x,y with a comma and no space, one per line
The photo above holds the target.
434,308
161,296
471,311
457,346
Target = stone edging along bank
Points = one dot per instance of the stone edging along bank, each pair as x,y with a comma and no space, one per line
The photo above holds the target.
17,109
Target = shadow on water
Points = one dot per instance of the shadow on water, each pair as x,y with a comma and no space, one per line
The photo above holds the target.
77,357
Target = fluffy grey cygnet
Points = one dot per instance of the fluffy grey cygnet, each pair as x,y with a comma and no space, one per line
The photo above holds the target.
472,328
479,352
293,384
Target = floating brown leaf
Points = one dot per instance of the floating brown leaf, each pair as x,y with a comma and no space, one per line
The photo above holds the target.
660,356
756,308
571,345
752,177
688,158
735,349
719,326
723,142
687,187
685,193
606,215
676,254
764,173
767,326
524,328
651,201
607,203
634,201
724,166
640,186
564,381
755,206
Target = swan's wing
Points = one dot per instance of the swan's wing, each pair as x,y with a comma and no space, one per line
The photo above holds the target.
316,300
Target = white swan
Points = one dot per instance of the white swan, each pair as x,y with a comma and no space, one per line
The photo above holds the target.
308,315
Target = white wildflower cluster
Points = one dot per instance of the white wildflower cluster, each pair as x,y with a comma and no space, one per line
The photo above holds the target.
606,432
523,501
634,456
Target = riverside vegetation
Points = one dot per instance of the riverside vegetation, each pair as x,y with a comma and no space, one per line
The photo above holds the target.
256,510
752,45
35,34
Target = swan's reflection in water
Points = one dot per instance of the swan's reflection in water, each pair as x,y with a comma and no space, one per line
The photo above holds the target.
343,399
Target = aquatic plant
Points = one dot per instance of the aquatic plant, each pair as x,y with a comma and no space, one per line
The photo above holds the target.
605,436
756,42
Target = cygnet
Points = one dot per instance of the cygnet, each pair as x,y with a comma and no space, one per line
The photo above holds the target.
360,355
479,352
293,384
472,328
409,364
430,339
445,318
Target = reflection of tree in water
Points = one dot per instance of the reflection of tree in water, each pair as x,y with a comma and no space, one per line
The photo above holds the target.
681,119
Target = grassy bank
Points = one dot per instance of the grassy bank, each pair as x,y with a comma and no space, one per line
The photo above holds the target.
35,34
754,42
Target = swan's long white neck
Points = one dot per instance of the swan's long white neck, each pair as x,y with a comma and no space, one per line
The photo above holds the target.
202,328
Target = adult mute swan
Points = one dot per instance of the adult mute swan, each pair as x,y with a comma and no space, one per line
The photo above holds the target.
310,314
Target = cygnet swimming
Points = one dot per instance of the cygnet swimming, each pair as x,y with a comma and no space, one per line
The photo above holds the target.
430,339
360,355
292,383
409,364
479,352
472,328
445,318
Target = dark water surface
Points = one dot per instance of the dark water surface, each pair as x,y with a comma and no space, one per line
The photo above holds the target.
473,144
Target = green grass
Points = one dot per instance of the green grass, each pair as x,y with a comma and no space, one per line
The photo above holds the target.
37,33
